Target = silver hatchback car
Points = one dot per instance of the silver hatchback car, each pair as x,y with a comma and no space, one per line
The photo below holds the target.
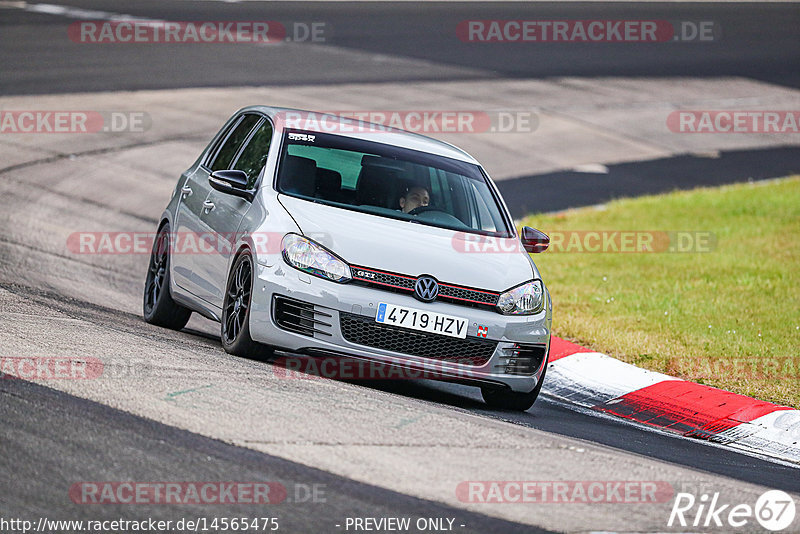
321,235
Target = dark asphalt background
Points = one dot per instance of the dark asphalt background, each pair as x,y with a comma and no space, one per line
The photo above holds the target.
56,437
560,190
759,41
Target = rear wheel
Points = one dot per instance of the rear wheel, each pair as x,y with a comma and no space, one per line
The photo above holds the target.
236,311
158,306
505,399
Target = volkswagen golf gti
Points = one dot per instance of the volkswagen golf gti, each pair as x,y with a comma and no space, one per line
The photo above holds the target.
321,235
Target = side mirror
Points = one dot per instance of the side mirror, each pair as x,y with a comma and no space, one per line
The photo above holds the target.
231,182
534,240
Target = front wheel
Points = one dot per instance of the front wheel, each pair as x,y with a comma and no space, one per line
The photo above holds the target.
158,306
236,311
505,399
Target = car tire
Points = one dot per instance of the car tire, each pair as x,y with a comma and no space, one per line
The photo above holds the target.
505,399
235,323
158,307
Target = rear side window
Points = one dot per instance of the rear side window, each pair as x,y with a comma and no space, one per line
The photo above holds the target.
230,147
254,155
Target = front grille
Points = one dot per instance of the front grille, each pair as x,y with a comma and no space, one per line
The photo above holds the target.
468,295
365,331
300,317
521,359
382,278
400,283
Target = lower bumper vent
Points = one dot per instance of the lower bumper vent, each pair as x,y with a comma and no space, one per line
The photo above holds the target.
300,317
521,359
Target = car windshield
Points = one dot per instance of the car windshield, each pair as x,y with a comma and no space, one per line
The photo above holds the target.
389,181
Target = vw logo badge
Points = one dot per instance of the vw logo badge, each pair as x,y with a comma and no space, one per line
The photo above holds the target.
426,289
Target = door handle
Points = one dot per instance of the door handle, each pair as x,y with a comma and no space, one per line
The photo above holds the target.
186,190
208,205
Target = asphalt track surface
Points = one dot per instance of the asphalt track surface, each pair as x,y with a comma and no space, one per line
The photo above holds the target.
50,439
571,189
755,40
96,435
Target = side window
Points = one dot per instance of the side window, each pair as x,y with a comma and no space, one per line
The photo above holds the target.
231,145
254,155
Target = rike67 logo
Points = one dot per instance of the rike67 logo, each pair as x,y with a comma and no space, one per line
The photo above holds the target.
774,510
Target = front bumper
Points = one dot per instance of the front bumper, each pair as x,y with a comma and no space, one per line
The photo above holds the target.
337,302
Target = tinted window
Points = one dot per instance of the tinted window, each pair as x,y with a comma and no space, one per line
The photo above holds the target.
254,155
231,145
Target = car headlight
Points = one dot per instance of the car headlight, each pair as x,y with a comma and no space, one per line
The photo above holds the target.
313,258
526,299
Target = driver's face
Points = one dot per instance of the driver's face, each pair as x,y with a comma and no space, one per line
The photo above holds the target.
416,197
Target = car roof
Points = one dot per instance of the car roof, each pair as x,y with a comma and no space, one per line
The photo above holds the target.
378,133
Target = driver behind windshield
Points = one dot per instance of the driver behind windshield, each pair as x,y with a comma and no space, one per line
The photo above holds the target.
415,197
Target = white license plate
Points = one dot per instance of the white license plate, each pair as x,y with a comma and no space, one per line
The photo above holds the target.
422,320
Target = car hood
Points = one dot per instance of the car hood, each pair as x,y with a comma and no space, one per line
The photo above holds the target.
402,247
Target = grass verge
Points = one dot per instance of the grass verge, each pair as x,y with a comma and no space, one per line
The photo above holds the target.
725,313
